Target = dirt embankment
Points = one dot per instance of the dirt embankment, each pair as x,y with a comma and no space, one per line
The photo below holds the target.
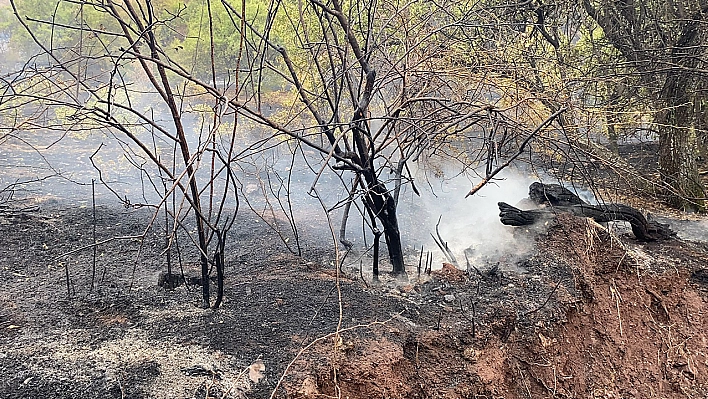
622,320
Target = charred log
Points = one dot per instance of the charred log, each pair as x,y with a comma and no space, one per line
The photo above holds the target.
561,199
553,194
513,216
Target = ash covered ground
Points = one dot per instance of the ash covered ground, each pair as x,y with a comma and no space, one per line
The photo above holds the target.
584,313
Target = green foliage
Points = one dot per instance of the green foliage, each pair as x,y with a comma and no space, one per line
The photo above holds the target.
49,11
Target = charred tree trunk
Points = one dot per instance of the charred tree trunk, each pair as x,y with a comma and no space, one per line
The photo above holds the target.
561,199
677,158
381,204
375,267
392,235
380,201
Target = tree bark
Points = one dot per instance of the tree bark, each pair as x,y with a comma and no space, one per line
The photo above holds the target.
382,205
678,142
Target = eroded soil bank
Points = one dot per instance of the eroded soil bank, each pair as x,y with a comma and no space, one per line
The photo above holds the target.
588,314
623,320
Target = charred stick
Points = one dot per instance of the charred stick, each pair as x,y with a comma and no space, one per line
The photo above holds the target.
167,246
68,281
420,260
219,262
443,249
361,273
474,318
443,245
375,268
95,247
546,301
429,263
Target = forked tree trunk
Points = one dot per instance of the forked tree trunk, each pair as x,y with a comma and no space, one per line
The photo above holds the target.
378,200
383,206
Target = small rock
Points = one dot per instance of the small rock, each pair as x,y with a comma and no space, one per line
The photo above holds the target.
309,387
470,354
449,298
406,288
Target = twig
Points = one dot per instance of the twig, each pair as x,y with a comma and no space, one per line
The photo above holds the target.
501,167
138,237
420,260
239,376
618,298
546,301
322,338
95,247
68,281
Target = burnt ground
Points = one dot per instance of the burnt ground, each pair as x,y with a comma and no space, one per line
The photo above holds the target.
589,313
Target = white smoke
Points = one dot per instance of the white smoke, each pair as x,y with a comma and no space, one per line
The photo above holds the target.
471,222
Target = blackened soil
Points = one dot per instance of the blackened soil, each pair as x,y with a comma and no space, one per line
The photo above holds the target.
127,337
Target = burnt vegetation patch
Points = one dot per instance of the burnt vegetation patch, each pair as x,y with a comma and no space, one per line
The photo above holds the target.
224,199
583,293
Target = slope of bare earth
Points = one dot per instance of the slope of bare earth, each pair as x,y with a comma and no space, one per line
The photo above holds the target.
588,314
618,319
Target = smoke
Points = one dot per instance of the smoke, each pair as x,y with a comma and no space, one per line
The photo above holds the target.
467,224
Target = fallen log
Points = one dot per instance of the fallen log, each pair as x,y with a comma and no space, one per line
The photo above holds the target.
557,198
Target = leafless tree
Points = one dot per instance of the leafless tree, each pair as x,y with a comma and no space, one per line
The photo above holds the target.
369,87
